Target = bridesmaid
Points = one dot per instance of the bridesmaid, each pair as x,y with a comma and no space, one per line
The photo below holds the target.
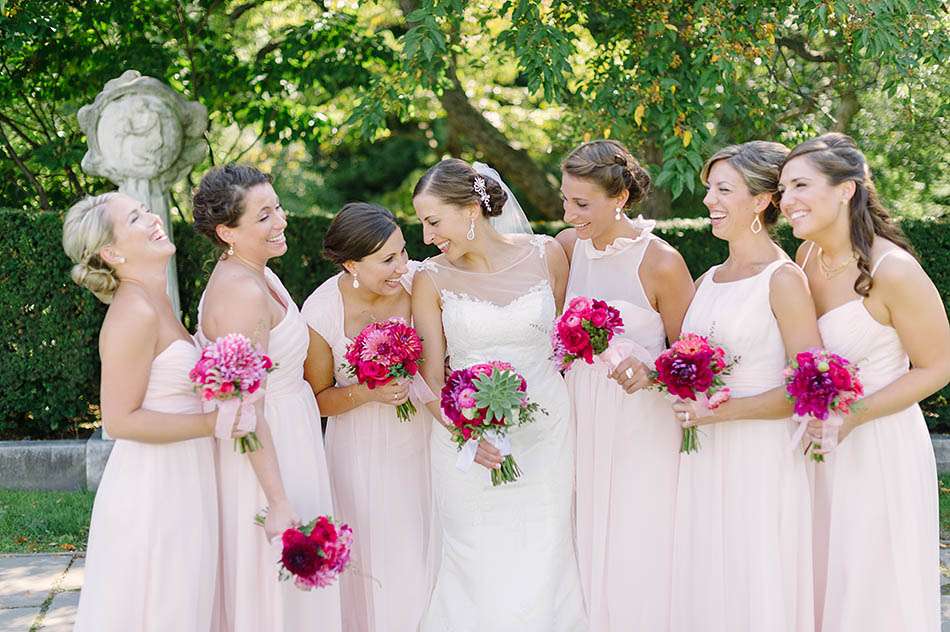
742,547
876,510
379,466
153,539
626,439
237,209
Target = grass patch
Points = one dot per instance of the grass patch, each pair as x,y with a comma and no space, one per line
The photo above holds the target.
47,522
943,483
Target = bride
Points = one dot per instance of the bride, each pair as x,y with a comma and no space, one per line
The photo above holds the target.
508,554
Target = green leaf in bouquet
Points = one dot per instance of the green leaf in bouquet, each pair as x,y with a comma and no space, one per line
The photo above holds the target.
598,337
498,392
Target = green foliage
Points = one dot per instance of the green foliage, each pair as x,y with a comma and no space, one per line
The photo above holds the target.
49,326
49,330
673,80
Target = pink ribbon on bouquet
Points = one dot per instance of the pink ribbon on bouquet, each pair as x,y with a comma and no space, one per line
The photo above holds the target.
228,409
620,349
829,432
419,391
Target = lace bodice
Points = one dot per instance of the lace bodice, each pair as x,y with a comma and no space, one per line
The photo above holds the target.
503,315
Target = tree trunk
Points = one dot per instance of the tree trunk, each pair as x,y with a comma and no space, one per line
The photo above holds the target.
538,189
659,203
515,165
847,108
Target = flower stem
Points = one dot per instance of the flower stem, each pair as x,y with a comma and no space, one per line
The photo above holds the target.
690,441
247,443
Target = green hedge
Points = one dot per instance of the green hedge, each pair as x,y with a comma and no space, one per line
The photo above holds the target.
50,373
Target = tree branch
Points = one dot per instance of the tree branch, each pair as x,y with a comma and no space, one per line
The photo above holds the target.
182,21
798,45
12,125
40,191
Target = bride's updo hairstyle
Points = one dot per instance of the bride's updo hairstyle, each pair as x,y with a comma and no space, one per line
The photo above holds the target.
457,183
87,229
610,165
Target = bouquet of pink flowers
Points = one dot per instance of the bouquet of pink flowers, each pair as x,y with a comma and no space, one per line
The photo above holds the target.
823,386
484,401
584,330
385,351
230,370
693,368
315,554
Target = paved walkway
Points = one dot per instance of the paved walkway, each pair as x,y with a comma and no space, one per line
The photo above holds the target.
39,593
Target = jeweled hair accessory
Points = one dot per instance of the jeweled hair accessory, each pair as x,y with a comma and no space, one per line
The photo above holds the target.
479,187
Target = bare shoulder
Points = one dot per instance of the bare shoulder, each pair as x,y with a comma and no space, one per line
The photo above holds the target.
663,260
897,270
130,317
554,250
229,288
788,279
567,238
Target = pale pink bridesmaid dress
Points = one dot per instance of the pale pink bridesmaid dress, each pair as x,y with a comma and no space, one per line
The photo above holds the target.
877,524
626,452
742,547
379,472
251,599
152,558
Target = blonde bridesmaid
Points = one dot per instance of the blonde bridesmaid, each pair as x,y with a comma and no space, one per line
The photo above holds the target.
742,547
876,509
627,440
379,466
236,207
151,562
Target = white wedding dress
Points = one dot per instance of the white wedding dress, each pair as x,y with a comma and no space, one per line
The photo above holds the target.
508,561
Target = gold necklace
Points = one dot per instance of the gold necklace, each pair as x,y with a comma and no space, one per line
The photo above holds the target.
832,271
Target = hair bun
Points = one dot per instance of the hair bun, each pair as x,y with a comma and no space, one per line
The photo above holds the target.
100,281
496,197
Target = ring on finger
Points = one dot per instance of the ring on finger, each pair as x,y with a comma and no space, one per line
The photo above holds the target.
629,373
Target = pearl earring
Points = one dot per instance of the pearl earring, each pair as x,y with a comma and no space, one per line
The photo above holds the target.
470,235
618,213
356,281
756,225
230,250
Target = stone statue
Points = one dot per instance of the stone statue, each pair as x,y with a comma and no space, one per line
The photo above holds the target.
144,137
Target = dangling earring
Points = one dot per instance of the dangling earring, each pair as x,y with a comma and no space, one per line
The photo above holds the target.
618,213
230,252
470,235
756,225
356,281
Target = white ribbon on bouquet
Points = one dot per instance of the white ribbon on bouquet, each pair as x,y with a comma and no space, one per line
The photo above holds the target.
467,454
